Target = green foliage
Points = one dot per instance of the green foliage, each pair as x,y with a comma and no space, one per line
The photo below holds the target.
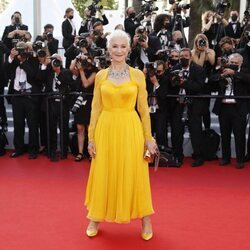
3,5
80,5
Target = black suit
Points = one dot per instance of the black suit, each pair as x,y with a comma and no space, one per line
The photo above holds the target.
154,45
68,38
25,107
232,116
130,26
193,85
8,41
52,45
65,82
229,30
159,118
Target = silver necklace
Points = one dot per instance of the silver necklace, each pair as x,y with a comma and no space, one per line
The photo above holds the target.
118,74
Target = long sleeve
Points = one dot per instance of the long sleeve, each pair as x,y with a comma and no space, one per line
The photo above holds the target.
142,104
96,105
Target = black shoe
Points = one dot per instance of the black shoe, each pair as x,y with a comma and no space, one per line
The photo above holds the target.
197,163
32,156
15,154
239,165
54,157
247,158
224,162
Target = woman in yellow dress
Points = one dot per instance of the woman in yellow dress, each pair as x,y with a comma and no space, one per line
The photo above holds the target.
118,188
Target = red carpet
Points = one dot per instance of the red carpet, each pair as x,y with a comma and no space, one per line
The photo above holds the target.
41,207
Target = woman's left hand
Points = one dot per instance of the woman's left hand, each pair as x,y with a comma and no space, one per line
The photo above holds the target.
151,146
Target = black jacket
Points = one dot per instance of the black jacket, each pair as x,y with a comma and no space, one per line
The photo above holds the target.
130,26
86,27
68,38
154,45
52,45
240,85
8,41
193,86
230,31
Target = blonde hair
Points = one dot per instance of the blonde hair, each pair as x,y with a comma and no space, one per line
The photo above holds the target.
118,34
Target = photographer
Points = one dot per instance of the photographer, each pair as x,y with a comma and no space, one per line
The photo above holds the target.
84,73
59,82
14,32
4,51
162,30
47,37
131,22
156,81
178,21
90,19
213,26
144,48
234,29
187,78
231,81
68,32
22,66
98,37
205,57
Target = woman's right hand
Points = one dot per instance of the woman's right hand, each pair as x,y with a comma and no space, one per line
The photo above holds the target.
92,149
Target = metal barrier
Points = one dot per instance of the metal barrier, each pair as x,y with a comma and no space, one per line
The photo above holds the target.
53,95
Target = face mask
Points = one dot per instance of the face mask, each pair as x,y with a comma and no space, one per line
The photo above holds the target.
179,41
234,18
233,67
167,25
184,62
173,62
71,17
132,15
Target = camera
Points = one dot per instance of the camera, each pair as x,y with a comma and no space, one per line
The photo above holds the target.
38,45
41,53
141,38
94,7
247,34
49,35
55,62
97,52
102,62
80,101
148,7
151,68
163,55
177,76
202,43
222,6
224,61
179,6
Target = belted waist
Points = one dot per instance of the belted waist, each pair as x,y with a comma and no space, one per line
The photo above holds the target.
118,109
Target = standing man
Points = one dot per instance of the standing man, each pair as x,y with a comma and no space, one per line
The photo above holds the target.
22,70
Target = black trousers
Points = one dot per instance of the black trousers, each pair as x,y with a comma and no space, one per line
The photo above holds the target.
231,120
177,131
159,128
25,109
3,116
54,123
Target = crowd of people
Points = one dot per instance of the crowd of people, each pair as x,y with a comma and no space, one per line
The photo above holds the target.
218,61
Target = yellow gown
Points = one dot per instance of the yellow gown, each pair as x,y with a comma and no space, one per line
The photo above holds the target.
118,188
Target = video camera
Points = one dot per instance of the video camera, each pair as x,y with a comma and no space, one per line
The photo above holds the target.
148,7
179,6
94,7
222,6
